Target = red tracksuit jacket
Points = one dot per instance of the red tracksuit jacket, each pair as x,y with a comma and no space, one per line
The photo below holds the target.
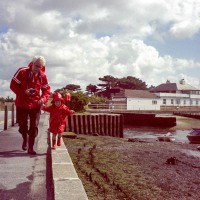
24,79
58,117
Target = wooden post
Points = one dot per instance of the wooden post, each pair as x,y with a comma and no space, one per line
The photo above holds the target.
16,116
98,124
106,125
6,118
81,131
94,126
85,125
121,126
117,126
102,125
13,115
90,124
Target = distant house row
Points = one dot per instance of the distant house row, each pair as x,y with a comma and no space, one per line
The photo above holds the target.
165,96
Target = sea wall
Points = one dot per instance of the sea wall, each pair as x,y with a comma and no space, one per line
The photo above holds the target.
148,119
96,124
188,114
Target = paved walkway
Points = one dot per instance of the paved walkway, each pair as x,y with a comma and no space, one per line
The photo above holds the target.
23,176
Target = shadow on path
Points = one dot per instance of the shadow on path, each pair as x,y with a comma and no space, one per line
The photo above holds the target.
18,153
21,192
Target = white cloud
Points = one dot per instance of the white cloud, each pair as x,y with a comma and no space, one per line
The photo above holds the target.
85,40
186,18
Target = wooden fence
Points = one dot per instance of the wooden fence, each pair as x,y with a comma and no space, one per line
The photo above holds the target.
96,124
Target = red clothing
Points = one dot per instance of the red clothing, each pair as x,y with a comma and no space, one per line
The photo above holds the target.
58,117
25,79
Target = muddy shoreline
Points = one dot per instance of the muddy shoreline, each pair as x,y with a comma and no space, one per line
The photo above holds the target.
114,168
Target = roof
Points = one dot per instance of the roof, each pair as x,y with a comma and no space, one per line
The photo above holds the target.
165,87
173,87
135,94
185,87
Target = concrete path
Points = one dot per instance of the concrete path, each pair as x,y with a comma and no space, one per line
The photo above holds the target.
23,176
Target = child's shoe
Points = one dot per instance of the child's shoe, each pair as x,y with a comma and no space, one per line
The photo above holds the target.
59,142
53,144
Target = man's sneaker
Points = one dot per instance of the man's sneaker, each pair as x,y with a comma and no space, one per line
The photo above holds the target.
24,145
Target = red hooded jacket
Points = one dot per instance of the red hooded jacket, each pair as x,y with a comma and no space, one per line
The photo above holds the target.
58,116
24,79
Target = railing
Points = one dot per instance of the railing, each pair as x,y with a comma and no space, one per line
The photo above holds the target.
108,107
6,118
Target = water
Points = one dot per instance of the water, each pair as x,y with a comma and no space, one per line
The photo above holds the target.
191,153
153,132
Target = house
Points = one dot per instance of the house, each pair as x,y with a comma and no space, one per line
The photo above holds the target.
166,96
177,95
135,100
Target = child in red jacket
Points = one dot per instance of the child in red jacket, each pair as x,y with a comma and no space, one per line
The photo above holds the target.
58,115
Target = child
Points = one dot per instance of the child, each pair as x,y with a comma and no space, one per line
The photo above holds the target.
58,114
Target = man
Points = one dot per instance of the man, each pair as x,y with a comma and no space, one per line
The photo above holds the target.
32,90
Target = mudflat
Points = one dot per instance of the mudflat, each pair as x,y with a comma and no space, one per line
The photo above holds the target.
117,169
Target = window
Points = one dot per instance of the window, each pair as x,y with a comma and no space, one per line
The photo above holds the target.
164,101
191,102
184,102
172,101
197,102
178,101
154,102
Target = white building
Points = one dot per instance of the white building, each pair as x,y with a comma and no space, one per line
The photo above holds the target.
136,100
177,94
171,96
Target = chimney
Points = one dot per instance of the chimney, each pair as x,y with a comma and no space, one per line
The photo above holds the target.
182,81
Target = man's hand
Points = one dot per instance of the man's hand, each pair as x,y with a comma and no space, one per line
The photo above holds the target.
72,112
30,91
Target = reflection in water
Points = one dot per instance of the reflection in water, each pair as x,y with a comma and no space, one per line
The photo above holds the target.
191,153
153,133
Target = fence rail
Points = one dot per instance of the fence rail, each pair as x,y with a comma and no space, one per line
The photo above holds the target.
114,106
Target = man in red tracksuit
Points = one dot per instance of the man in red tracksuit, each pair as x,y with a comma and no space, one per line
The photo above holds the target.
32,90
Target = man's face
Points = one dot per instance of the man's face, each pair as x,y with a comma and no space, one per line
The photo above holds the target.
37,66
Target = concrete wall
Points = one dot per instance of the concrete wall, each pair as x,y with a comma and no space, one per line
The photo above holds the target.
67,185
148,119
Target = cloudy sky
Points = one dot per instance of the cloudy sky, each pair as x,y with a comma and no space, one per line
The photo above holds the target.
154,40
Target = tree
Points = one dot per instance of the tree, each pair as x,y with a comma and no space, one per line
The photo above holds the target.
128,82
78,101
133,83
8,99
109,81
2,99
113,85
91,89
72,87
97,100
